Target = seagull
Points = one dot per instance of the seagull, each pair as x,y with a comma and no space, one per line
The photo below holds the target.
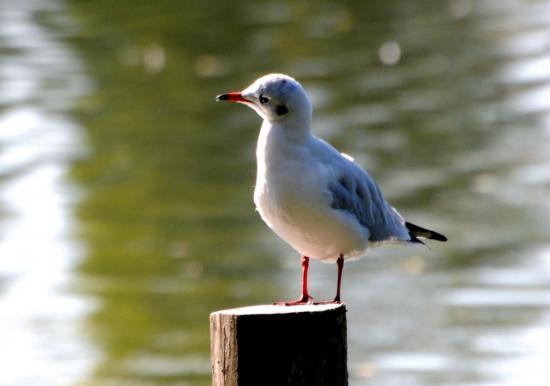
315,198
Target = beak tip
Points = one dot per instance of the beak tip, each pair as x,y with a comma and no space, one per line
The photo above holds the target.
231,97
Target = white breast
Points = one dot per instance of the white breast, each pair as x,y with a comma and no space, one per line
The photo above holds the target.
292,198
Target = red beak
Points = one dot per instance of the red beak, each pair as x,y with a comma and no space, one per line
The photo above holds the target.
232,97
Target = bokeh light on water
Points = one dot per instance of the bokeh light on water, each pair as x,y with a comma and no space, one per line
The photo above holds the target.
125,191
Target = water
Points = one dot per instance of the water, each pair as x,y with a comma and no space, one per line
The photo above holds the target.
125,191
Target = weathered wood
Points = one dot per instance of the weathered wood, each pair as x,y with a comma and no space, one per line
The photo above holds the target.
278,345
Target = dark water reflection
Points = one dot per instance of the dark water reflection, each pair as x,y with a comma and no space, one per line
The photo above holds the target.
446,103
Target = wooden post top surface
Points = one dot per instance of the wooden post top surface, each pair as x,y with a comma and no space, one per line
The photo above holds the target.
272,309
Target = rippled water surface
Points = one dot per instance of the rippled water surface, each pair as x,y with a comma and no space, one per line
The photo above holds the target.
126,213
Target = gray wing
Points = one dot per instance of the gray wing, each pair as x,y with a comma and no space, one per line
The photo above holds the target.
355,192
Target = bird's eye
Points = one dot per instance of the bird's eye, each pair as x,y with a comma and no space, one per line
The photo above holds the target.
263,100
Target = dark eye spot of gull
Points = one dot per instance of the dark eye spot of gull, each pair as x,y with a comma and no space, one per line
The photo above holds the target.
281,110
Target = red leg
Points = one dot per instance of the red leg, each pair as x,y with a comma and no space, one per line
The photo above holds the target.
305,298
337,298
340,264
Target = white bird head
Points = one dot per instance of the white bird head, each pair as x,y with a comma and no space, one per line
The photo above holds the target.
276,98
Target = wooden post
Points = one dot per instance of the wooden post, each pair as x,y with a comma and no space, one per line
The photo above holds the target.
279,345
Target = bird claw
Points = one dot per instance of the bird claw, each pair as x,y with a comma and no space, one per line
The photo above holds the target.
334,301
304,300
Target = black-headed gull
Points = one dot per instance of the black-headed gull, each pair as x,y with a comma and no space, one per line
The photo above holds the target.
313,197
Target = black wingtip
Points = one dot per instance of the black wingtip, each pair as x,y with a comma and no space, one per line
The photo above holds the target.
415,231
438,236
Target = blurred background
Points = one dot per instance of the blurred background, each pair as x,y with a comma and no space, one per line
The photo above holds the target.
126,211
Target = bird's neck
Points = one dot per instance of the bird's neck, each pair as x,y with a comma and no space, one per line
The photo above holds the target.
279,143
289,132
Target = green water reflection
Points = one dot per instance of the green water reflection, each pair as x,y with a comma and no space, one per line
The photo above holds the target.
166,214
